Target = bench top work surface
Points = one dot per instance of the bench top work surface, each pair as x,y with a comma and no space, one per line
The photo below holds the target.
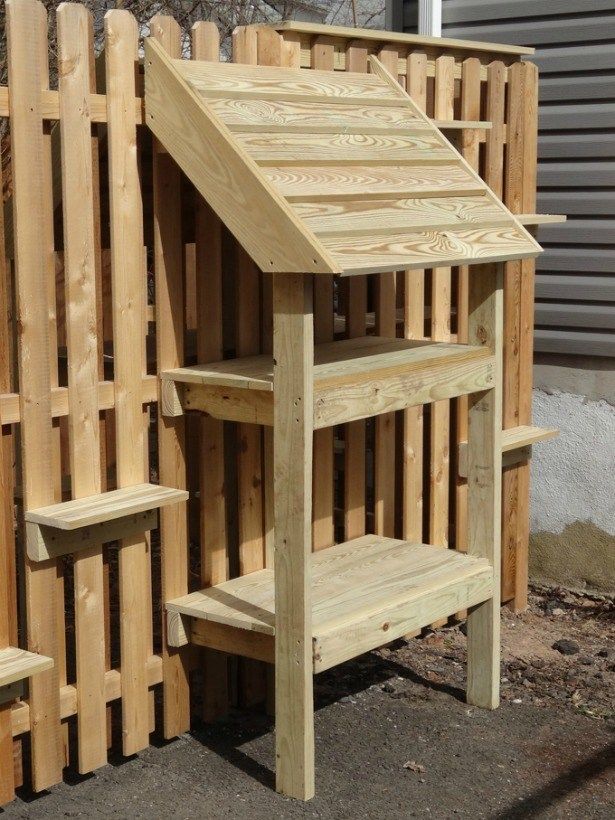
325,172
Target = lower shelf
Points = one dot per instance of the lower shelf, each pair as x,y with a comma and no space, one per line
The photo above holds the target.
365,593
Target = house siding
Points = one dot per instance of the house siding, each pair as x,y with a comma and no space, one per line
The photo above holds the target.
575,54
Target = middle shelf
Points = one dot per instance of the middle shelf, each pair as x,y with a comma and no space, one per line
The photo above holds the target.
353,379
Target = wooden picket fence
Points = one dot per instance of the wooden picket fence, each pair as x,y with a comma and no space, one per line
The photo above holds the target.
93,201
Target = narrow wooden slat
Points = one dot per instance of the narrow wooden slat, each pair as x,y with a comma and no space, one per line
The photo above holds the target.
121,40
293,354
31,216
8,580
322,492
414,328
246,116
441,286
398,215
212,522
526,325
355,432
250,47
76,55
235,81
314,184
470,109
510,180
384,454
340,148
170,319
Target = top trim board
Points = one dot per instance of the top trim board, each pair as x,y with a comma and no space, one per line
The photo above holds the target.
380,36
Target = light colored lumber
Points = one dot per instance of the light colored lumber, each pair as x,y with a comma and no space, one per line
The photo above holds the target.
323,466
355,325
410,40
10,412
287,116
441,296
293,344
485,487
121,43
76,80
414,328
102,507
232,80
517,445
314,183
222,171
341,148
212,520
20,713
50,106
168,269
45,542
365,593
345,218
18,664
222,638
462,125
353,379
541,219
26,31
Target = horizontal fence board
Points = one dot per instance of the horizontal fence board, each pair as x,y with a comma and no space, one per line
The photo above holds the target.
575,286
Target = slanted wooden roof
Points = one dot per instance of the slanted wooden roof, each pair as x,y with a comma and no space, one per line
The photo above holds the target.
323,172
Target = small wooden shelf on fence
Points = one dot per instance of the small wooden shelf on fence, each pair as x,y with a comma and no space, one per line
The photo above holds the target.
353,379
15,666
516,445
63,528
365,592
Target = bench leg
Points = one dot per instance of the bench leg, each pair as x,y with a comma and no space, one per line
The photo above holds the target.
485,486
293,352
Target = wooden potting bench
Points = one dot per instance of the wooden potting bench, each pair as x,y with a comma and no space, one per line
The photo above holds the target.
321,175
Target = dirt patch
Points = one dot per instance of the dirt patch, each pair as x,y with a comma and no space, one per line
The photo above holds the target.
395,738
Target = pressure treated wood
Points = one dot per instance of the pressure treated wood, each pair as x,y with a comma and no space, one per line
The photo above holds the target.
275,157
18,664
365,592
516,445
353,379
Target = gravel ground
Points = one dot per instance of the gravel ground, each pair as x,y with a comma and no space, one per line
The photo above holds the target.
394,738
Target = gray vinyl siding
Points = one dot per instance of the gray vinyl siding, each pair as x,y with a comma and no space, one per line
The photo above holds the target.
575,53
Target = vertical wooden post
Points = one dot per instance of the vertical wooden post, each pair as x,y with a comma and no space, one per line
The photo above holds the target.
31,216
8,614
170,315
414,328
386,325
293,355
322,59
210,348
441,332
485,486
356,310
76,57
126,217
